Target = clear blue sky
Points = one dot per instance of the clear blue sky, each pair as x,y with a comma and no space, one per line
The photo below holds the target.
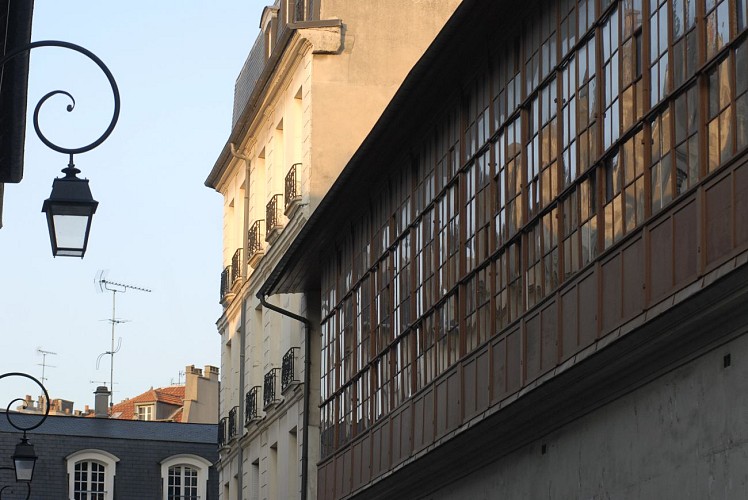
156,227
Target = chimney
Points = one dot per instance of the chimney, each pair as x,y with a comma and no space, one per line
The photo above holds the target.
101,406
211,372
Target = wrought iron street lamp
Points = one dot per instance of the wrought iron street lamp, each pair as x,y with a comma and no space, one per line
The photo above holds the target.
70,207
24,458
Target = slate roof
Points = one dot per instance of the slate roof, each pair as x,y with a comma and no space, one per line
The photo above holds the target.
114,428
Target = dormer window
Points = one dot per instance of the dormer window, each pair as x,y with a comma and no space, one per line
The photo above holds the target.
268,40
185,477
91,474
268,22
145,412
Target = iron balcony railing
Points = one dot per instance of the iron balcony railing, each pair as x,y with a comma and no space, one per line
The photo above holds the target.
255,240
237,269
293,186
273,214
270,393
252,411
289,375
223,431
233,420
225,282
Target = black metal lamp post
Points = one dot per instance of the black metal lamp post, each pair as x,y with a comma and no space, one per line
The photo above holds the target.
24,458
70,207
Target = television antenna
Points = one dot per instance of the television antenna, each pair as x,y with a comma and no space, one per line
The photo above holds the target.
44,364
103,284
181,374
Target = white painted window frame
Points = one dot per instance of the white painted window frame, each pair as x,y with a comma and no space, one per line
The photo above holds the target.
196,462
104,457
149,411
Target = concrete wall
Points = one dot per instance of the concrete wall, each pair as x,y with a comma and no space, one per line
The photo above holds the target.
682,436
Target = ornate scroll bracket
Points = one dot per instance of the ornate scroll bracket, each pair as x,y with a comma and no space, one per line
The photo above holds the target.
115,90
8,412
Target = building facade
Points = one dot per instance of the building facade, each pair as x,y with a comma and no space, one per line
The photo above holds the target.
315,81
106,459
530,279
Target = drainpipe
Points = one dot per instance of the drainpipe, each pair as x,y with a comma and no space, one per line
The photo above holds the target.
243,320
307,388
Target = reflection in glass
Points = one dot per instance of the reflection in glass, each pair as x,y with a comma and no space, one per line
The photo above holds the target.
717,26
741,93
719,133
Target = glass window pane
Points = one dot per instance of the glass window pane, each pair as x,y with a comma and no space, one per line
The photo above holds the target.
741,113
741,68
725,131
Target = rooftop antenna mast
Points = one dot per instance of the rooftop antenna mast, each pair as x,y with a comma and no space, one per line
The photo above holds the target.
44,364
104,284
181,374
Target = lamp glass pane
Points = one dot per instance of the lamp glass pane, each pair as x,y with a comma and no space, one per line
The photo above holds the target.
70,232
24,469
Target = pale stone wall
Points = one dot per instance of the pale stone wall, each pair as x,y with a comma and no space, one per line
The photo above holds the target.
382,40
201,396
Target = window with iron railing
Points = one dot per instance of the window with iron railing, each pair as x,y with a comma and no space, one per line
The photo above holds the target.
293,186
233,419
251,410
237,270
255,239
288,369
222,431
273,214
225,281
270,393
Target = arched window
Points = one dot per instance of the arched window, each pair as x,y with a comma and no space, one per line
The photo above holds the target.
268,25
91,475
185,477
